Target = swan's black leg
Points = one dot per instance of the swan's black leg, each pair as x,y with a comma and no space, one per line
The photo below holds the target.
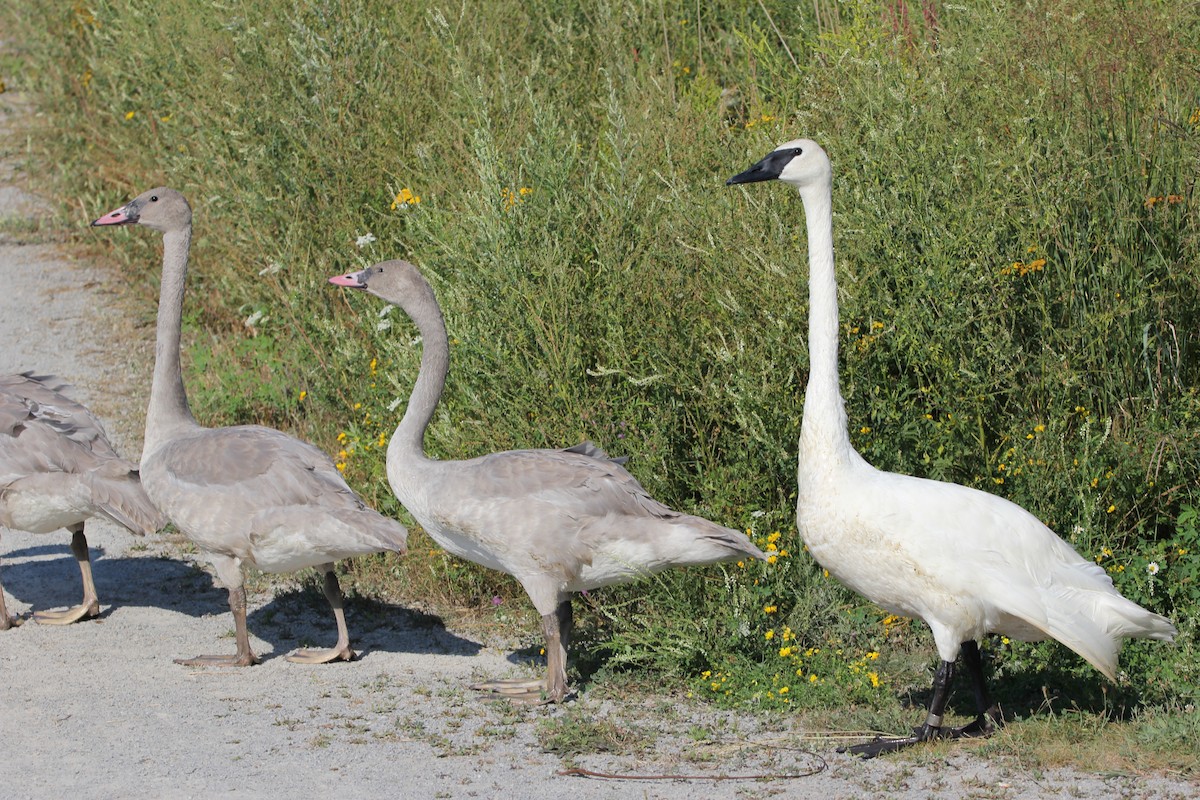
931,728
988,716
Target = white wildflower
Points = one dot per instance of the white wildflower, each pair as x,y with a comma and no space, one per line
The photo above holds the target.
364,240
1152,568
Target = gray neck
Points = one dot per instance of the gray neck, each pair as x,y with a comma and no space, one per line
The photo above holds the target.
824,425
168,408
408,442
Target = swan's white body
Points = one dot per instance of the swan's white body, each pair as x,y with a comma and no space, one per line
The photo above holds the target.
966,562
57,470
559,521
245,494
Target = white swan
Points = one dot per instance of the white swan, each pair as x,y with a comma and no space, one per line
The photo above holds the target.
245,494
559,521
57,470
967,562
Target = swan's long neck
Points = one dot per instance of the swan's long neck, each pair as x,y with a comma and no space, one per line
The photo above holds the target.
823,433
408,442
168,402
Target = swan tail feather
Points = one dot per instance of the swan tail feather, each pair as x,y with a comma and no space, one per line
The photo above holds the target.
122,500
1093,623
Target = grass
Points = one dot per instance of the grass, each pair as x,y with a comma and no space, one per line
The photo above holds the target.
1017,237
573,734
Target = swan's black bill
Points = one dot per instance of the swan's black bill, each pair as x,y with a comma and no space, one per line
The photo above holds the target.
768,169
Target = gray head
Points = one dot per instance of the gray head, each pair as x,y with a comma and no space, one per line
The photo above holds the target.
162,209
398,282
800,163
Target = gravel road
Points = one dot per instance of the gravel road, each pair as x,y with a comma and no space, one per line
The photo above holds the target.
99,710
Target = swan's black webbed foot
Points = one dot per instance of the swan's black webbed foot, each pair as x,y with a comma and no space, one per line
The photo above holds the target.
890,744
985,724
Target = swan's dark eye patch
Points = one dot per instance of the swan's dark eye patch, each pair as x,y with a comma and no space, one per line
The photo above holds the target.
154,198
799,151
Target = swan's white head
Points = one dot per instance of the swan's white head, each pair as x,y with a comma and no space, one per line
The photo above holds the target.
162,209
800,162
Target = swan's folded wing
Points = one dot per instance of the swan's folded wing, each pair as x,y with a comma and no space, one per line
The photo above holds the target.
44,403
264,466
565,482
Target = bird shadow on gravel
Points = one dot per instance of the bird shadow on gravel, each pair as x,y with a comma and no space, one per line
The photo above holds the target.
300,617
45,576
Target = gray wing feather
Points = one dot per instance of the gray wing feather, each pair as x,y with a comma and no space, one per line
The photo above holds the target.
44,434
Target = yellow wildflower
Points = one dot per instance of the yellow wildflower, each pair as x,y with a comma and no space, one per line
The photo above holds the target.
769,635
770,609
129,115
405,199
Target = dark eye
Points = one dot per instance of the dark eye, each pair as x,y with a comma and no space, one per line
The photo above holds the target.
154,198
799,151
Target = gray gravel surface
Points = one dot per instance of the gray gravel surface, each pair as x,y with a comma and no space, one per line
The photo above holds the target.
99,710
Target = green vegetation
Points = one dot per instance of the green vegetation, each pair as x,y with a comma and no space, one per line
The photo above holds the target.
1018,245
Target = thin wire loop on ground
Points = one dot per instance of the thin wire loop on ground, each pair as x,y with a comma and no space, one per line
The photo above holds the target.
820,767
